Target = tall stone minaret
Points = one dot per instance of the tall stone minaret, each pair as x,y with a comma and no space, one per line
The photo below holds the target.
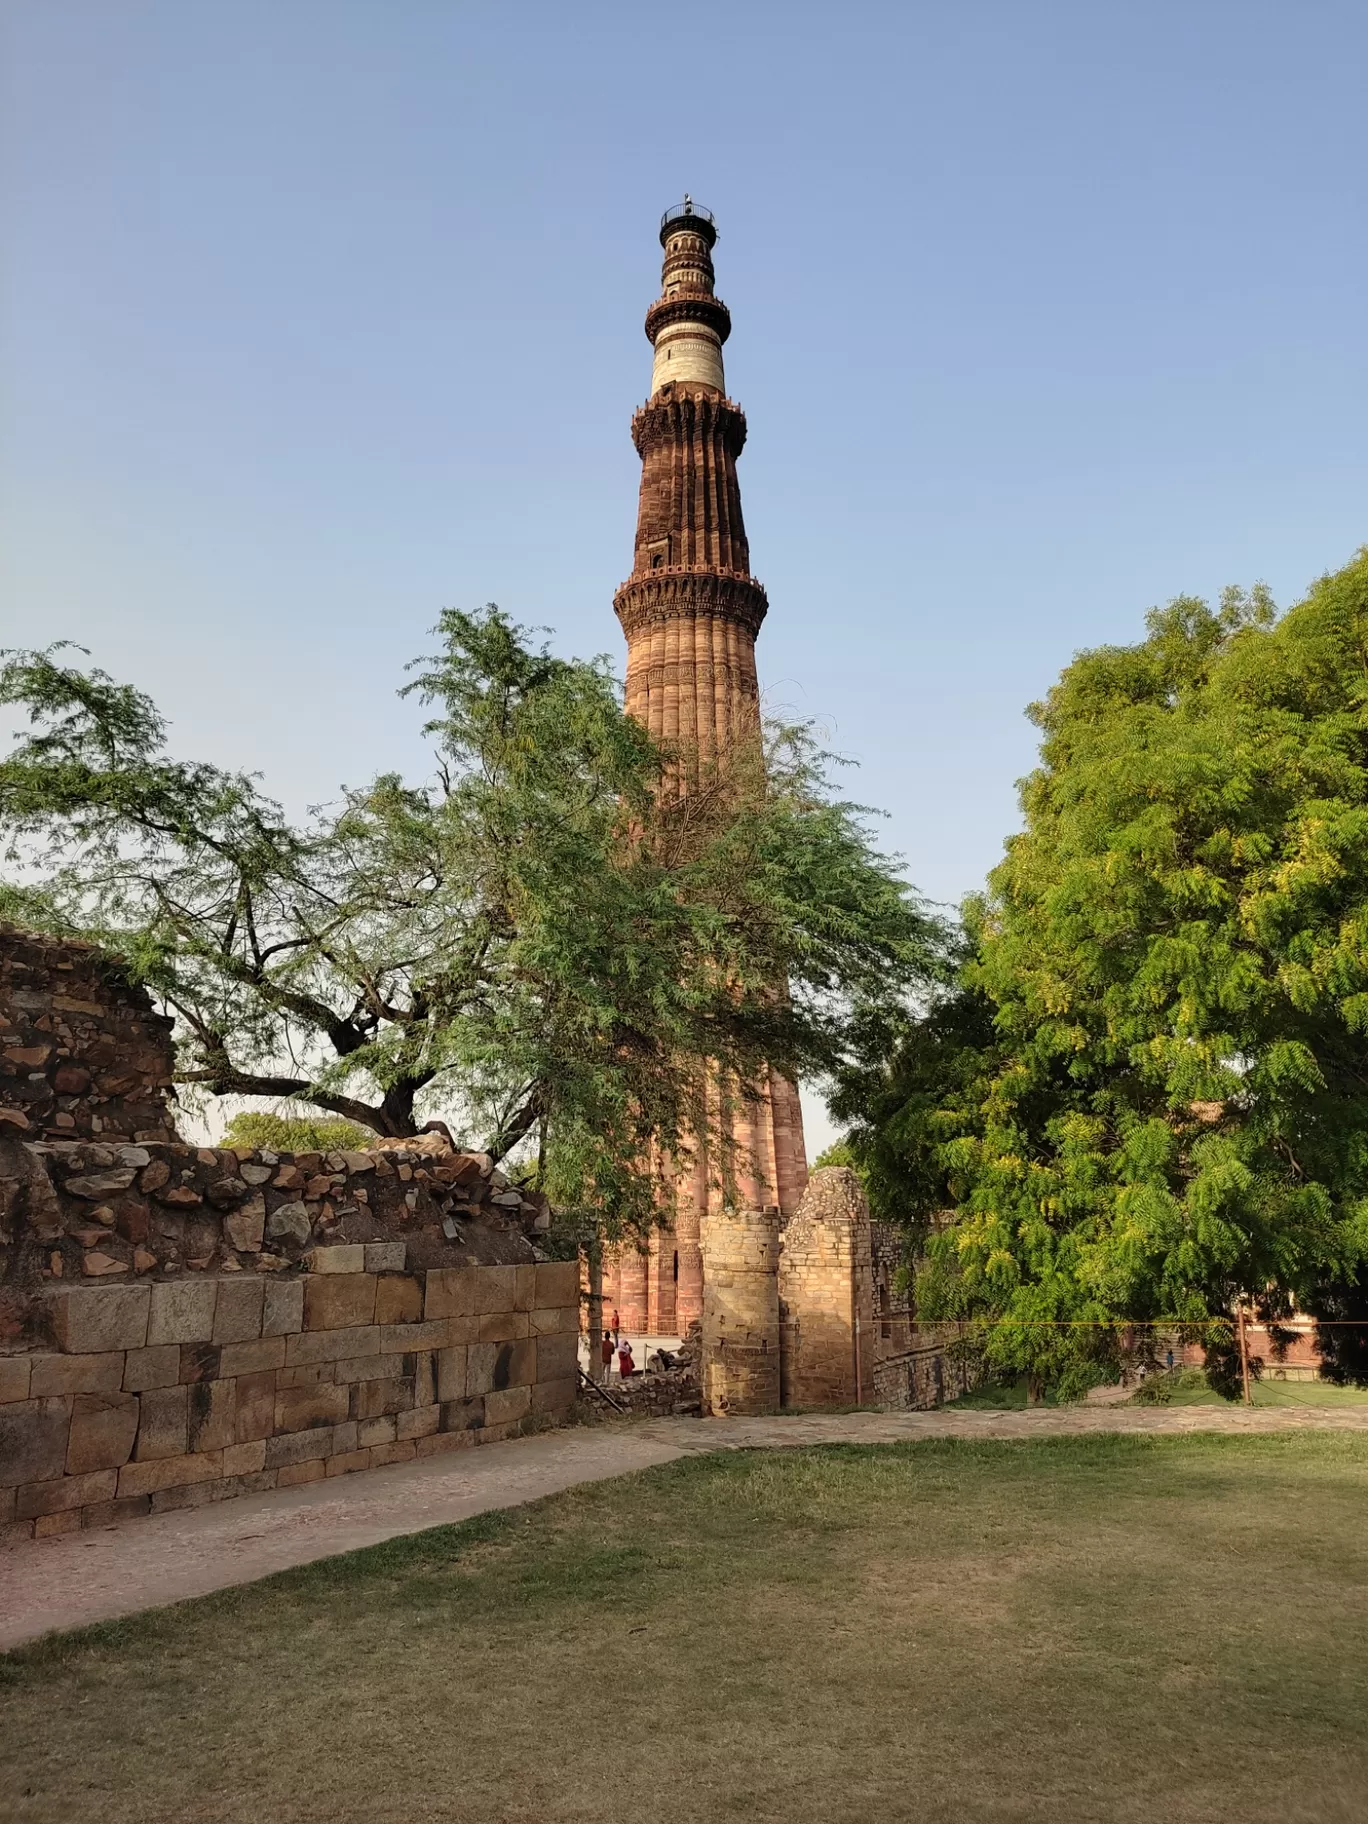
691,610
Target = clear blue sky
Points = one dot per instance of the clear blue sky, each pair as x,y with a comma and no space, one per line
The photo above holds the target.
320,316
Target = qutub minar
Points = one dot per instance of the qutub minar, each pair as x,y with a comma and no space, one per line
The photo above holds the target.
691,611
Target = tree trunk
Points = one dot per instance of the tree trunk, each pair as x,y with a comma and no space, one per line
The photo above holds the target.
1035,1390
594,1253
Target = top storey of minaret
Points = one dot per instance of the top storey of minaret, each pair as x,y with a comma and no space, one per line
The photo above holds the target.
687,325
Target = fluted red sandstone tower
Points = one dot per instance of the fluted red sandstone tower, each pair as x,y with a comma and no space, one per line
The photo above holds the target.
691,610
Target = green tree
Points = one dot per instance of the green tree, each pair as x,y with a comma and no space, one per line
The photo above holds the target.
1149,1099
295,1133
543,943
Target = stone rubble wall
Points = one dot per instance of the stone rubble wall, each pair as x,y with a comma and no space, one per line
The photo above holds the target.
169,1392
82,1053
80,1211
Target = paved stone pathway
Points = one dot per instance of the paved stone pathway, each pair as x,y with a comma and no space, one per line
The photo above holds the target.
94,1576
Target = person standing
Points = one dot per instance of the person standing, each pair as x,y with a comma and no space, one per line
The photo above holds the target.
626,1366
617,1325
607,1347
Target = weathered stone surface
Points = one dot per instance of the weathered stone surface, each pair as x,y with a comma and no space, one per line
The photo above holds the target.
419,1423
283,1308
212,1415
267,1352
555,1397
145,1369
238,1312
15,1371
58,1374
385,1256
507,1407
90,1319
334,1301
255,1406
398,1299
33,1441
290,1475
100,1184
369,1399
200,1361
463,1415
65,1495
289,1223
103,1427
246,1226
145,1478
331,1345
99,1266
557,1320
556,1356
492,1367
398,1339
494,1288
503,1326
163,1426
182,1311
451,1375
299,1447
228,1193
298,1408
245,1459
256,1174
342,1259
450,1292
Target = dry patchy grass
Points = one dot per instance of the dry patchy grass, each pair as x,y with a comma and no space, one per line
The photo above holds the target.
1101,1628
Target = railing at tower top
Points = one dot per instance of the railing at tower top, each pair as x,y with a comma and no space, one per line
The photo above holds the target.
688,210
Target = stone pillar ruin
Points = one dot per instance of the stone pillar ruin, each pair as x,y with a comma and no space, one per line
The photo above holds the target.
740,1341
826,1295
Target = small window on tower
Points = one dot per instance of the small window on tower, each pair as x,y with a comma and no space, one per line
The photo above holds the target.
657,561
676,1268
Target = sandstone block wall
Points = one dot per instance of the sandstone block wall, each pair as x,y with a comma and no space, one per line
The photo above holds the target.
740,1334
170,1392
826,1295
82,1053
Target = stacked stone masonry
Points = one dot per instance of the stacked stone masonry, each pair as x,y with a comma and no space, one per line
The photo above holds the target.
82,1053
179,1324
168,1393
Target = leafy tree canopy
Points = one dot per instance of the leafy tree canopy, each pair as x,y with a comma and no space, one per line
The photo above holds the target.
1149,1096
543,943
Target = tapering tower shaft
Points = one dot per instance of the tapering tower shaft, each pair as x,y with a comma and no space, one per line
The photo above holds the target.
691,611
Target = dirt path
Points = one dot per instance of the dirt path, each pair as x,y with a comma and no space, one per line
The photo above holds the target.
94,1576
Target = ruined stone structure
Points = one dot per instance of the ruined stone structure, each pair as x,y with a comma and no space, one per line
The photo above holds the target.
691,610
740,1337
826,1295
179,1324
83,1052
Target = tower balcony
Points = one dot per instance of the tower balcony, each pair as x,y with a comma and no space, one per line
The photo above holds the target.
692,216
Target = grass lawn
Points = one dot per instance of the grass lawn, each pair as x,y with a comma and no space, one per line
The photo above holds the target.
1100,1628
1191,1390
